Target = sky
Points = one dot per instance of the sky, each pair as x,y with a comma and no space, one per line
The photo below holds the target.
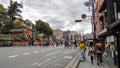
60,14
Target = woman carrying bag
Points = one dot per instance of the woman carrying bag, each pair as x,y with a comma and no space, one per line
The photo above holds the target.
91,52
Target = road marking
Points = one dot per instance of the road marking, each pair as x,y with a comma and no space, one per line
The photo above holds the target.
35,63
35,51
52,48
26,53
53,53
47,49
58,64
51,62
42,50
54,57
44,62
65,52
69,57
13,56
73,51
63,61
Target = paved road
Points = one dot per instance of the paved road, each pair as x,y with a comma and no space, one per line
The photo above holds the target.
35,57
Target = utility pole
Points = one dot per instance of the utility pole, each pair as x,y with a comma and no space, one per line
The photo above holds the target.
88,4
32,40
93,22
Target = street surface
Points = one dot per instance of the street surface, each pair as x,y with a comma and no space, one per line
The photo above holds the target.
87,63
35,57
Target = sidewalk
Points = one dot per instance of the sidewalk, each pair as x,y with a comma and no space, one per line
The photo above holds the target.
87,63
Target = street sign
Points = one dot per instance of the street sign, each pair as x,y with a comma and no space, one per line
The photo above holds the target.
78,20
83,16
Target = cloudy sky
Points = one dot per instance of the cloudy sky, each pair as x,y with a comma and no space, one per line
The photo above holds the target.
58,13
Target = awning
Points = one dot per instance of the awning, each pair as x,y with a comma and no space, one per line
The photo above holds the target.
103,33
114,25
103,7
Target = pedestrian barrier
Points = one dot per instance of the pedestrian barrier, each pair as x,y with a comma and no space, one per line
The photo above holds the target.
19,43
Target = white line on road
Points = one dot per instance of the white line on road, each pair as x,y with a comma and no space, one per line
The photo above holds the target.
42,50
26,53
13,56
65,52
69,57
54,57
35,51
48,49
59,64
51,62
53,53
35,63
44,62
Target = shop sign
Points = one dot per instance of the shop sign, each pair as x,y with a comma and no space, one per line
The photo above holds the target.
110,39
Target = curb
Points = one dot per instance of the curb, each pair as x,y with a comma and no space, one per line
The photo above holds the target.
74,62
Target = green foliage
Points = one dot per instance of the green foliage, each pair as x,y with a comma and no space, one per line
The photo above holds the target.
3,16
37,36
44,28
27,22
14,9
9,20
18,22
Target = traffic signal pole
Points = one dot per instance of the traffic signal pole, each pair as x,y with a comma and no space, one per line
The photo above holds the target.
93,22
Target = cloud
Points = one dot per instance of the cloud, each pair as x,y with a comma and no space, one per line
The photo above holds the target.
58,13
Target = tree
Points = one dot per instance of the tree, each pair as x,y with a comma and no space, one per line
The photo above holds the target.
13,12
18,22
44,28
28,22
14,9
3,16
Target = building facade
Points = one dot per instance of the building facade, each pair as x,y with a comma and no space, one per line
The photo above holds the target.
58,34
107,27
22,31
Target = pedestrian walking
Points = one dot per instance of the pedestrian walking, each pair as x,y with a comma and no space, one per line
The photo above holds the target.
70,44
99,52
75,44
66,44
91,51
82,50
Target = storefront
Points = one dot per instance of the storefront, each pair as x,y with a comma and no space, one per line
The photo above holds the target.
115,30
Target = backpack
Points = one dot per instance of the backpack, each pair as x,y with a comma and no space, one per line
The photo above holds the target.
99,49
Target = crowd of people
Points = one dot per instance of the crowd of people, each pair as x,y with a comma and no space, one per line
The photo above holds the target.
95,52
66,44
